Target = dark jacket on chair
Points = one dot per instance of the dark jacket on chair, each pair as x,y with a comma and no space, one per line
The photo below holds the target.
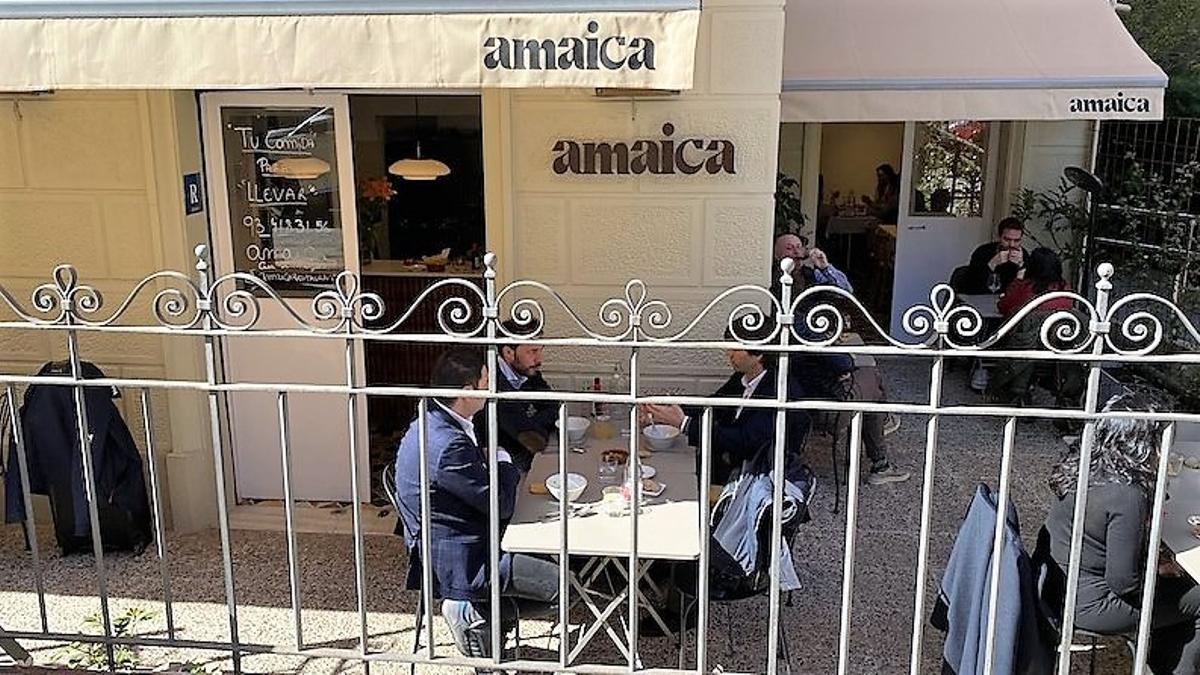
459,507
56,467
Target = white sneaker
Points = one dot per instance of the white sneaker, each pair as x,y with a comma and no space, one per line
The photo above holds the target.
979,379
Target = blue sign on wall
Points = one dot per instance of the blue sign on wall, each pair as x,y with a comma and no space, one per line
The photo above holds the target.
193,194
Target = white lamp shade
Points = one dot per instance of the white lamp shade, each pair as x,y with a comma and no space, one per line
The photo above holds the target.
418,169
300,168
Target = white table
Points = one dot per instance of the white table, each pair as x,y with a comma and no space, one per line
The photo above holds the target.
668,529
846,227
984,303
1184,492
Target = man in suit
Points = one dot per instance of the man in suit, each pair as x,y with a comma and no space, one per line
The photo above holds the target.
739,434
525,427
458,484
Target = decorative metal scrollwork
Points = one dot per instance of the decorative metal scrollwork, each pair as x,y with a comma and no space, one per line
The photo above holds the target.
1132,325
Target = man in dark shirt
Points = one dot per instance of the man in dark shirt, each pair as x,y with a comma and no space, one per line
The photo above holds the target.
739,434
524,427
1005,257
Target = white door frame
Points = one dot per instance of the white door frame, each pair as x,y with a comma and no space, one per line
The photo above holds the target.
211,105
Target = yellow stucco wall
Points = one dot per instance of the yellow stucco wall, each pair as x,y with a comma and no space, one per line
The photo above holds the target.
93,179
687,237
78,186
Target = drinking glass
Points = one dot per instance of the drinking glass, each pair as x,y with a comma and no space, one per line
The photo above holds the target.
993,283
608,472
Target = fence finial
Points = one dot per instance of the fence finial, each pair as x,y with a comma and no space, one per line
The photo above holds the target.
201,252
1106,272
489,262
786,266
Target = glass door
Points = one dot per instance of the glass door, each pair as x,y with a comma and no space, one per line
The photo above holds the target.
281,186
946,202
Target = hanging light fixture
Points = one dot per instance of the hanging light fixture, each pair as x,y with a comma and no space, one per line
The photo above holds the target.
418,168
300,168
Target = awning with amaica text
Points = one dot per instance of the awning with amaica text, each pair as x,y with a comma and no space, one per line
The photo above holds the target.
899,60
273,44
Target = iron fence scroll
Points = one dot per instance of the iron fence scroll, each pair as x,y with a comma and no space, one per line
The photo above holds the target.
1100,331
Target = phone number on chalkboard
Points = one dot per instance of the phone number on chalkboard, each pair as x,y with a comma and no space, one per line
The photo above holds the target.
264,229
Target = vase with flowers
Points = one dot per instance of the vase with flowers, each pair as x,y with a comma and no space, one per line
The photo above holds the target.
373,197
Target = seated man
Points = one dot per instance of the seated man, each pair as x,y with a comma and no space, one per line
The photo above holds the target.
738,434
812,266
459,513
834,377
1003,257
524,426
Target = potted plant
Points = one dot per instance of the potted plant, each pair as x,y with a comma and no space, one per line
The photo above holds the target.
373,197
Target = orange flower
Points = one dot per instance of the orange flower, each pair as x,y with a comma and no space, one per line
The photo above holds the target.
376,189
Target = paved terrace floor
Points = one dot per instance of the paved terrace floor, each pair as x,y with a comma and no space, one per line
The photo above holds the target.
884,580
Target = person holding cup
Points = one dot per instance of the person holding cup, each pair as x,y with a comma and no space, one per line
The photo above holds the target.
995,265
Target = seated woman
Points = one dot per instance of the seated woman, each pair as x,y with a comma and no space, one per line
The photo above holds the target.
1042,274
1120,488
1011,380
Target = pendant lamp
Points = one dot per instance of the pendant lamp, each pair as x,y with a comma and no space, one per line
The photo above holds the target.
300,168
418,168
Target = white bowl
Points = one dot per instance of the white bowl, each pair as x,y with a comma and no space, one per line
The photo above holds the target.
577,428
575,486
660,436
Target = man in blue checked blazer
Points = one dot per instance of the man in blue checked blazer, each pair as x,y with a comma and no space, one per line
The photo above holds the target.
459,508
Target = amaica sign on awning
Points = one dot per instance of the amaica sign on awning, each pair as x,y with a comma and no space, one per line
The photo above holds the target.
256,44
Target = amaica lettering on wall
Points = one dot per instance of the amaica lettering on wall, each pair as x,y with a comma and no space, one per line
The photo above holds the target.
667,155
590,51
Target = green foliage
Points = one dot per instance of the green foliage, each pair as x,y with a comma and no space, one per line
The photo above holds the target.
1061,212
789,212
1157,243
1169,31
92,656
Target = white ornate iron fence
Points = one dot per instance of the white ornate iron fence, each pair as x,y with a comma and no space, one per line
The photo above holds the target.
1100,332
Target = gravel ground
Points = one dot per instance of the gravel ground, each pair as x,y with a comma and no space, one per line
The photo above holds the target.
884,572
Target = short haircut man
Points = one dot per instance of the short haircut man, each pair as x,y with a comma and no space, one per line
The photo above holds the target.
740,434
524,427
1004,258
459,485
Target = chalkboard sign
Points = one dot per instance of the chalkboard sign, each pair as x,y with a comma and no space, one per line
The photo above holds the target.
282,181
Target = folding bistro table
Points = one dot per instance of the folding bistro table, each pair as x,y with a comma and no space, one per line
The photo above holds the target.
1184,493
668,530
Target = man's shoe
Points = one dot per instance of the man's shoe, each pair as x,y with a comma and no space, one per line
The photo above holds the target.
886,474
979,379
470,629
891,425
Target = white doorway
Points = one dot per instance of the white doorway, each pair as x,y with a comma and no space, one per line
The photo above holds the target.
946,205
281,186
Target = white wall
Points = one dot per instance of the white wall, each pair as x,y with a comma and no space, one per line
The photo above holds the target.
688,237
1046,149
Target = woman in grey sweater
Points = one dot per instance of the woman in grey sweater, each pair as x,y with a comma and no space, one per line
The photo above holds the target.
1115,527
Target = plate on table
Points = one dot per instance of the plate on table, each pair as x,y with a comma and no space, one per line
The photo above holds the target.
652,488
648,471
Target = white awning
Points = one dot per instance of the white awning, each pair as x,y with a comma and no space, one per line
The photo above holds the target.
886,60
272,44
